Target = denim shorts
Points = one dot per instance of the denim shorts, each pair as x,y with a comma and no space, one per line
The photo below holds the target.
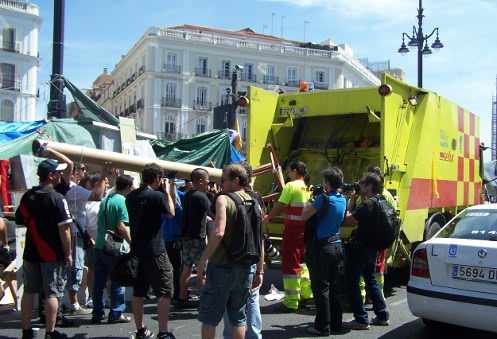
227,288
47,277
192,251
75,274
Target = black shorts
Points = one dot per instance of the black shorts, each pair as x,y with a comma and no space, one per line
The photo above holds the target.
156,272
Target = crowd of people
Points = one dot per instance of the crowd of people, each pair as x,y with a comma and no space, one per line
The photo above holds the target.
79,225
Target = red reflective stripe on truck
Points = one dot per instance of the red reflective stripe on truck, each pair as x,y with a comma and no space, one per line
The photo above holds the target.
471,170
472,120
421,196
460,169
460,116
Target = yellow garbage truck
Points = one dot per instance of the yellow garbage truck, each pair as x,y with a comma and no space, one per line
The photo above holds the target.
427,146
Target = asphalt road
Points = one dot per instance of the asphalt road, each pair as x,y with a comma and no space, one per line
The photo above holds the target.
276,325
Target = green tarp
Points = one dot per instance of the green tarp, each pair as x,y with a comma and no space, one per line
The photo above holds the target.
60,130
200,150
89,109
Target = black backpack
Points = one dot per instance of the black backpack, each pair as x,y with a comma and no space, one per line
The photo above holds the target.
245,246
386,225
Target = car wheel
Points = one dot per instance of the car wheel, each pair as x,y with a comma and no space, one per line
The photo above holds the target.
432,230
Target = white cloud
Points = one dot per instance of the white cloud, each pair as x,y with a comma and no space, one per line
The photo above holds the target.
392,9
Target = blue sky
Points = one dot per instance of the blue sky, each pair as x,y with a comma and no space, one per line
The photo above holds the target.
99,31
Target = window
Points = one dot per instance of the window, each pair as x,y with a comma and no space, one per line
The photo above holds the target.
9,38
270,71
7,76
292,74
226,69
472,224
171,91
248,71
7,110
202,64
320,76
201,126
202,96
172,59
170,125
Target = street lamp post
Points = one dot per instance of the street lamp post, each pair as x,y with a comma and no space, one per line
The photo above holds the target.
420,40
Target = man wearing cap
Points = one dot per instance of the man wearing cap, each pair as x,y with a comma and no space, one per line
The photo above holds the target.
47,253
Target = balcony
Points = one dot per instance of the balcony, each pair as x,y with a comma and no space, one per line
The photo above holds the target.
14,4
224,75
321,85
293,83
10,85
200,105
271,80
203,72
249,77
174,69
170,102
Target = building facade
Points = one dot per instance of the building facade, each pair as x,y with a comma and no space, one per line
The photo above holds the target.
171,79
19,60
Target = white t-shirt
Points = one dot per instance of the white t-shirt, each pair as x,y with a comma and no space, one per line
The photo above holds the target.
77,197
92,208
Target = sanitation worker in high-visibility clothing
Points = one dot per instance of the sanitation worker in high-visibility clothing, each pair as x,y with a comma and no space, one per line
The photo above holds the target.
293,199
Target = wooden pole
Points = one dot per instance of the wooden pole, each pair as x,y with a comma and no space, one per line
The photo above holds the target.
125,162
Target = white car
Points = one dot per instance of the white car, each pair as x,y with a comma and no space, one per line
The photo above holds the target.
454,274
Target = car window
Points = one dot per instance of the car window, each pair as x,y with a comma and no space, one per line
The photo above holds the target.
472,224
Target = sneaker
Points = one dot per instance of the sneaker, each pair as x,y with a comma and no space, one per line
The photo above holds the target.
80,311
144,333
339,331
28,334
89,303
355,325
97,320
378,322
122,319
165,335
315,332
55,335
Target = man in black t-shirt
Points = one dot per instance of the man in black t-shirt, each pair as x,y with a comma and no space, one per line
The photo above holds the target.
362,257
196,205
146,206
47,252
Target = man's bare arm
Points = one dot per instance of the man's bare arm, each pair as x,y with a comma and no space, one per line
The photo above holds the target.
65,237
51,153
123,231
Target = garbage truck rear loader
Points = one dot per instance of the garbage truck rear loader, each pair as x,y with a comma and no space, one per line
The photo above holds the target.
427,146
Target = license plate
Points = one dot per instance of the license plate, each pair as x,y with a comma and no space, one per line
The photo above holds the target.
474,273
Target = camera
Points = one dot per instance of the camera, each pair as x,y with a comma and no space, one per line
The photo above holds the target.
171,175
351,187
317,190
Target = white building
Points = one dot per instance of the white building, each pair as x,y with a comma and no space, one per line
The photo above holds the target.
19,60
172,78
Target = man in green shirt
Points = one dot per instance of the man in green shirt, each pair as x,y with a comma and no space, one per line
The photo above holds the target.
112,216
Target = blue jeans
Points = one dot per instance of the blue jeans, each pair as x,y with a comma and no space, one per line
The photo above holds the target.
75,273
227,288
254,319
361,262
103,267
